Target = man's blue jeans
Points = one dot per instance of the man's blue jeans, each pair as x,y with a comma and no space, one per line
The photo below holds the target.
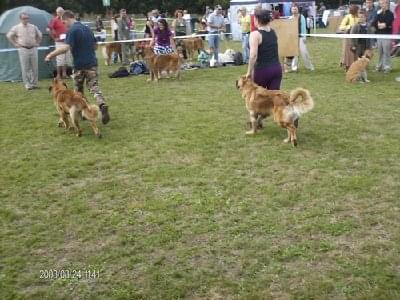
213,42
246,47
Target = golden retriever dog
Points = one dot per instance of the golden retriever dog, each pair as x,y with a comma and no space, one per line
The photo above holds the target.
286,108
158,63
136,53
358,69
70,105
191,45
109,49
139,49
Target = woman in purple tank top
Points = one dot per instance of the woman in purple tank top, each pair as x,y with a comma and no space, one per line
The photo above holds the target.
163,40
264,66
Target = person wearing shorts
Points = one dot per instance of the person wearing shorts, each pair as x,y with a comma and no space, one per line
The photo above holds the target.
58,32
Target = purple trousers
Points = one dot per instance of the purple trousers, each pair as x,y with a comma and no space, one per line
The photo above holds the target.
269,77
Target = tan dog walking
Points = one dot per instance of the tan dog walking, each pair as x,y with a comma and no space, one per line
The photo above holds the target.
70,105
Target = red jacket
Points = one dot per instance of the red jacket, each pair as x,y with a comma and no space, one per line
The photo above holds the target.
252,25
396,22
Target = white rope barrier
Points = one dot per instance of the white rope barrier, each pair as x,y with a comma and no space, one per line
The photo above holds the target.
149,39
317,35
354,36
123,41
16,49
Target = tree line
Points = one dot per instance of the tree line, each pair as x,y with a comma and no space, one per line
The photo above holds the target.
133,6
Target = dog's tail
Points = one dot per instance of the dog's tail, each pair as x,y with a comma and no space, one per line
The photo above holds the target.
301,100
91,112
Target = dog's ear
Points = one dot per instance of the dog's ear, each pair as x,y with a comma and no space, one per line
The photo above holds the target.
64,84
50,89
368,54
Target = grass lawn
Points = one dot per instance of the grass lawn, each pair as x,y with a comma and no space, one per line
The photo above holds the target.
176,202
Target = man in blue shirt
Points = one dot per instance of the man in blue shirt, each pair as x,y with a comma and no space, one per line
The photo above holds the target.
371,12
82,43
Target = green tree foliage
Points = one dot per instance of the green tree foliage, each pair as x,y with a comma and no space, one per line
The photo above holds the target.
133,6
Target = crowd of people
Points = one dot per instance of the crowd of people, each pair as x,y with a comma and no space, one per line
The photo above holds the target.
75,45
368,20
183,24
259,42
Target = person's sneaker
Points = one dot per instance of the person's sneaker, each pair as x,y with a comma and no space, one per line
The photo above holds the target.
105,117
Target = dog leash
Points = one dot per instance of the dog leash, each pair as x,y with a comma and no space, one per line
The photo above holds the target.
354,36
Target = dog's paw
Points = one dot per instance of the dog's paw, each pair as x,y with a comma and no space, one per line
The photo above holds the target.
294,143
250,132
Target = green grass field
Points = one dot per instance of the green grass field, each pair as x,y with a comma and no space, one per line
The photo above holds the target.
176,202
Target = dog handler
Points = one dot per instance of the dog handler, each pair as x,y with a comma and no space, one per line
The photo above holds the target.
264,66
82,43
163,41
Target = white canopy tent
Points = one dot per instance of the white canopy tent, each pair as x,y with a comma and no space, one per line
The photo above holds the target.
250,5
